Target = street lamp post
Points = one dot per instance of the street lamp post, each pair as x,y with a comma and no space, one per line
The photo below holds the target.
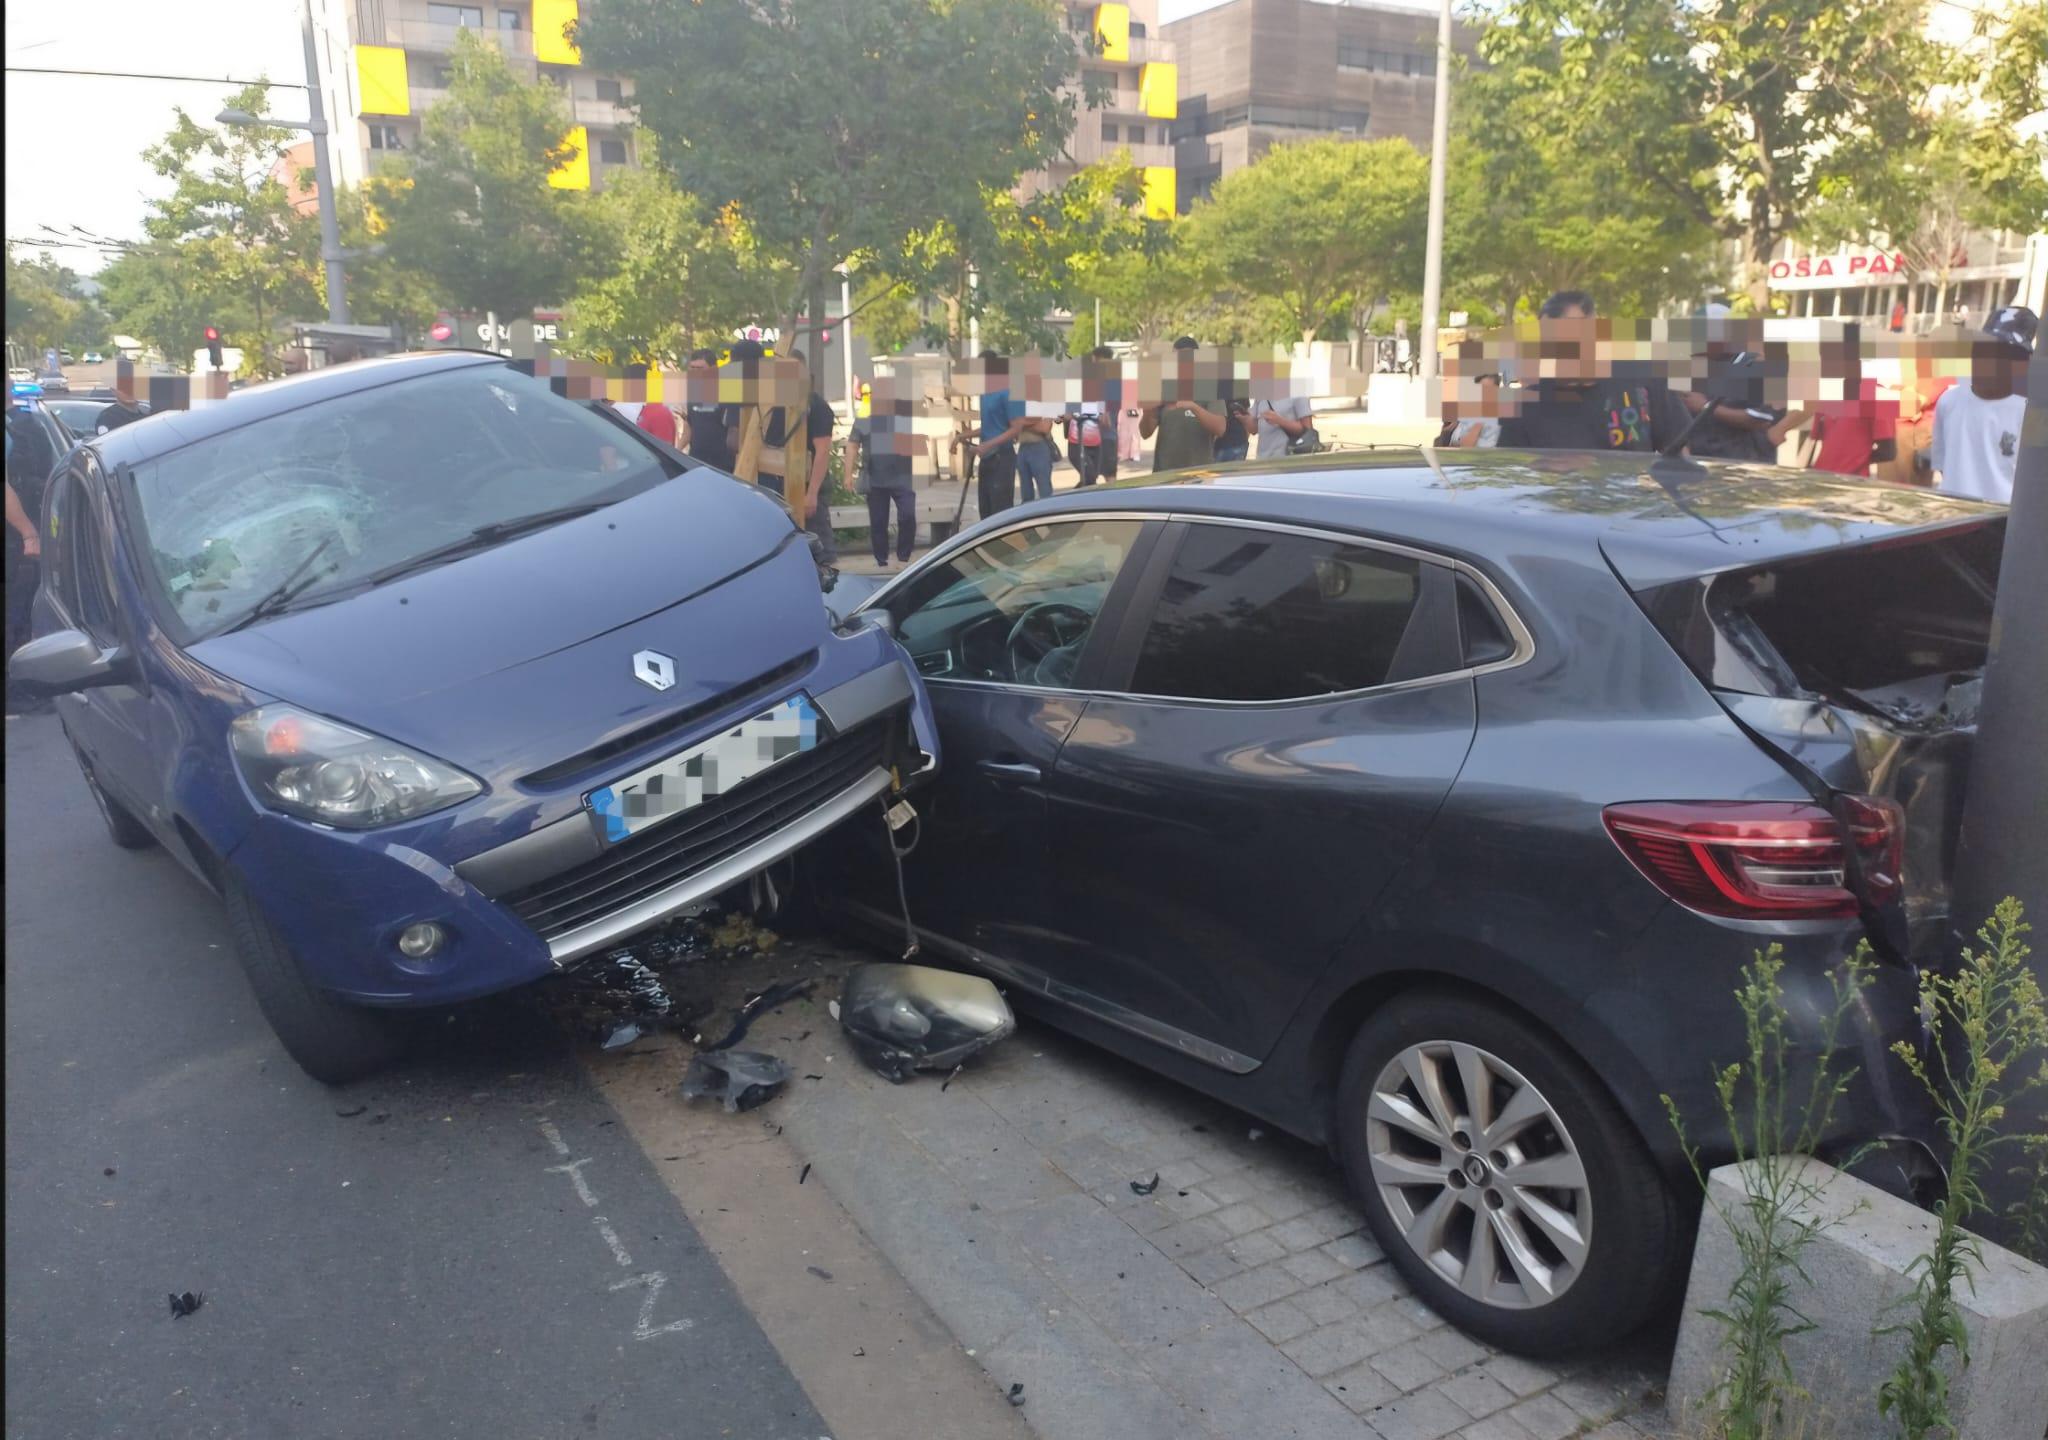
331,253
1439,145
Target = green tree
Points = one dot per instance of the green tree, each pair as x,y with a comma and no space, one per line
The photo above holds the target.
1526,215
1006,262
842,129
45,308
472,208
681,281
1742,116
225,247
2008,160
1315,224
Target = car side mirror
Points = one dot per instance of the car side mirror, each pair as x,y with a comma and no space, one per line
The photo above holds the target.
68,661
880,620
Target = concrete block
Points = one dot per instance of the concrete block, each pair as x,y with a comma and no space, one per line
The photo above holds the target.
1858,1282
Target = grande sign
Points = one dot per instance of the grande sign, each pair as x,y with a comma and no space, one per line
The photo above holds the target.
1857,267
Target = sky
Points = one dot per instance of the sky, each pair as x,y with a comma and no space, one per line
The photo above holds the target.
74,156
74,145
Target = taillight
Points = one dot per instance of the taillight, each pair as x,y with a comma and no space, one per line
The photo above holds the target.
1764,859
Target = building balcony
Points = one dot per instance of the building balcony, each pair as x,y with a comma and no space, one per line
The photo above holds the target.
427,38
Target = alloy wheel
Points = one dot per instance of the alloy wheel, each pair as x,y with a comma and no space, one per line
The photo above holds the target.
1479,1174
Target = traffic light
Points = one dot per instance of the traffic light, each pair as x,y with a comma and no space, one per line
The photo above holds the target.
213,347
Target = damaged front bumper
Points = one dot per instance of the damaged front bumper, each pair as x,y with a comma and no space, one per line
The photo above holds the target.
582,895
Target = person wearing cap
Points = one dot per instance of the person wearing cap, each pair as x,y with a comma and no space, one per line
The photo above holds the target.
1976,445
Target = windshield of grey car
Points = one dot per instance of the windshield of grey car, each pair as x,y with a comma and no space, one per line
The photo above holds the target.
369,481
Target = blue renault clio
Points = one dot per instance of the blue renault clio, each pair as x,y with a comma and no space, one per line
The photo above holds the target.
444,681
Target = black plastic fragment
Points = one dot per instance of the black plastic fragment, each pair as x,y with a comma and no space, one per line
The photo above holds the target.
351,1114
1016,1396
185,1304
759,1004
806,1174
741,1079
822,1274
1145,1187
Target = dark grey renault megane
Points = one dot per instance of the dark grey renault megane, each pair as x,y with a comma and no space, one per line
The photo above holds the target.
1427,805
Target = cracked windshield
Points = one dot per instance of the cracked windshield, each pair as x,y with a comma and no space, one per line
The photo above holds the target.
1187,719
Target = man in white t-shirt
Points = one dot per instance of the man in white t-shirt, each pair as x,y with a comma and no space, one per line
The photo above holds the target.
1976,443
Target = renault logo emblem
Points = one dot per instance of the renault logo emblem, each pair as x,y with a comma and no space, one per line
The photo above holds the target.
654,669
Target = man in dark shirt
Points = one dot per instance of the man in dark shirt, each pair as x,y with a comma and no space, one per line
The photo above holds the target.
124,410
1588,410
710,424
1740,428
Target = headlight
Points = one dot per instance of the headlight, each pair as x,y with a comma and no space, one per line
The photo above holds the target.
317,770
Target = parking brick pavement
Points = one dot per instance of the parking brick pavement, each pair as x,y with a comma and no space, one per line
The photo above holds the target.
1242,1296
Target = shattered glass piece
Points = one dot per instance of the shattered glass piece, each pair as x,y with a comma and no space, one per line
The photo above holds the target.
905,1018
622,1036
741,1079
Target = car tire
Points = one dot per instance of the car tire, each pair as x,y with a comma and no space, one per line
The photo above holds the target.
1539,1269
332,1041
122,826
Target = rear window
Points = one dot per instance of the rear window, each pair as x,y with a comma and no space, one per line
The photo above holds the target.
1863,623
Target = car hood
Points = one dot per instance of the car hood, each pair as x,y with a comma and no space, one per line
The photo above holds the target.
504,658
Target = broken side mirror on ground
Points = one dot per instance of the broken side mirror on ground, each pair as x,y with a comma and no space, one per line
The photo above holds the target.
905,1018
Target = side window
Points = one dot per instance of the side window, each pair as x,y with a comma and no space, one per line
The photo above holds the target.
1260,615
1018,608
87,590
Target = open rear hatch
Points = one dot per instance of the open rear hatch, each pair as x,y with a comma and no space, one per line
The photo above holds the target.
1860,665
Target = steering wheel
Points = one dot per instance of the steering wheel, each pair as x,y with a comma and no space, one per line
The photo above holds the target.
1046,638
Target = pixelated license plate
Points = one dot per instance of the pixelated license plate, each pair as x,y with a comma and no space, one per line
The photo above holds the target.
710,768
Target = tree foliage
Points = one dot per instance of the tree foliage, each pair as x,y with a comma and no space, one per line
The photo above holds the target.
681,280
1314,224
1527,215
47,307
226,247
1741,115
472,210
842,128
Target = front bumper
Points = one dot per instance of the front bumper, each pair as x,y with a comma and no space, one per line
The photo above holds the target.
342,899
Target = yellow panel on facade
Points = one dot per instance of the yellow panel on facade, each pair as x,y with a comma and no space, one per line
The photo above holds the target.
1160,195
1159,90
380,75
549,45
574,173
1113,31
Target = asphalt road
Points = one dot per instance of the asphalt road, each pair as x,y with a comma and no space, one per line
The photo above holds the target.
482,1251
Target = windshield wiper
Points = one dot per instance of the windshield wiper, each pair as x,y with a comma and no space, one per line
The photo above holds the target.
481,538
285,591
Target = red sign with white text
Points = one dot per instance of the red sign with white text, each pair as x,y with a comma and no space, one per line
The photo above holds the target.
1860,267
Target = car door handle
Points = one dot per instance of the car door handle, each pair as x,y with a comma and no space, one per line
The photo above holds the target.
1018,772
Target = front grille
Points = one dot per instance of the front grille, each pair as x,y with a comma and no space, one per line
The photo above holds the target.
651,861
673,723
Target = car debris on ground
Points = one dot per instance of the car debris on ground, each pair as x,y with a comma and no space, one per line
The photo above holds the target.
183,1304
904,1018
741,1079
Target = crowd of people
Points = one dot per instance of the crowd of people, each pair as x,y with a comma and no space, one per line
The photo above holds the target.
1959,435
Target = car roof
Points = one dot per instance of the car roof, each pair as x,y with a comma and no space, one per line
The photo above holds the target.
1655,521
168,430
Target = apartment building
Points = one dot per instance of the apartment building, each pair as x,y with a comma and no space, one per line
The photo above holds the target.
384,63
1141,91
1254,73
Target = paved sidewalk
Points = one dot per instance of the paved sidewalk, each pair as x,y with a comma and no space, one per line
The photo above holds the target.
1241,1298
